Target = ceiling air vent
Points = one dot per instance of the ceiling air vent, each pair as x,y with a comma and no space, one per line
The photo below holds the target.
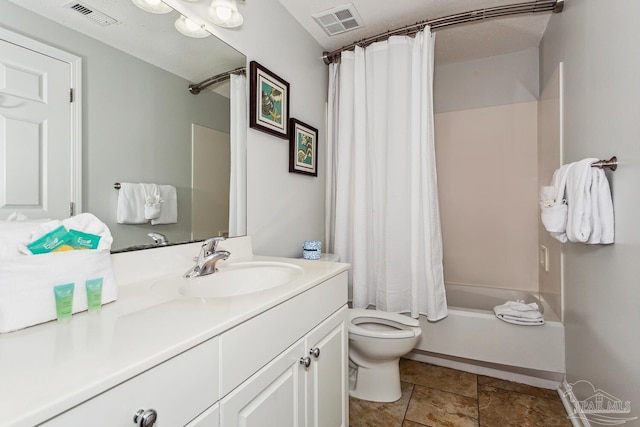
338,20
91,13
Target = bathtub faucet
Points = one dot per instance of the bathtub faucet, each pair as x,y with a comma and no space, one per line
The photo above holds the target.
208,258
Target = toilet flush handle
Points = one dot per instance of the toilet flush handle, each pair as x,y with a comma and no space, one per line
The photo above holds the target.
315,352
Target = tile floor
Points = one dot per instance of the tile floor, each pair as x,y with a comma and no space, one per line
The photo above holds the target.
434,396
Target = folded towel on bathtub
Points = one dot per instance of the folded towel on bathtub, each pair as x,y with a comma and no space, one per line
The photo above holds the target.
519,313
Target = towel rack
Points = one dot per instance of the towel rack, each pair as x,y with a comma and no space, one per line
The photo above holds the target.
612,164
117,186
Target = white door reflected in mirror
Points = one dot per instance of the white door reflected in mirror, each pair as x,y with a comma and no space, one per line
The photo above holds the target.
35,133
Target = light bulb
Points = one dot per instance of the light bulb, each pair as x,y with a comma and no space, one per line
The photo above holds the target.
191,26
224,13
152,6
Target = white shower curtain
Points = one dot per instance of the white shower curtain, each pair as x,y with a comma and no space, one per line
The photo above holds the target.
382,191
238,181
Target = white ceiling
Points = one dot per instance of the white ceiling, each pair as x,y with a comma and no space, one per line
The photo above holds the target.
152,37
470,41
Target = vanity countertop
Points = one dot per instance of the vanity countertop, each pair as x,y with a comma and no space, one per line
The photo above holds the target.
48,368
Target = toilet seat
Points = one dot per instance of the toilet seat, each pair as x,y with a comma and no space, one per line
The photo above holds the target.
405,327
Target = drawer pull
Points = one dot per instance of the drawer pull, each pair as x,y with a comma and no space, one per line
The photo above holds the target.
315,352
144,418
305,361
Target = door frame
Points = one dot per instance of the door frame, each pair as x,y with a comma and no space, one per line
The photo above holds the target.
75,83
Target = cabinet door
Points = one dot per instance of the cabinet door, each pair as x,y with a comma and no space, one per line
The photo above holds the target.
272,397
327,399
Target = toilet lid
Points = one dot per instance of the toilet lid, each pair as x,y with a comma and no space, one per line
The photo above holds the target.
403,326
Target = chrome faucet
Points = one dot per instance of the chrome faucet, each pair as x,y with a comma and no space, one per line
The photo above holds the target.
208,258
159,239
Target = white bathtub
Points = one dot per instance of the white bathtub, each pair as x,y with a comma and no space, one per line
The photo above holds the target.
471,331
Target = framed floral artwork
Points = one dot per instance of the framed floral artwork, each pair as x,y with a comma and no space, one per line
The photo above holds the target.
269,101
303,148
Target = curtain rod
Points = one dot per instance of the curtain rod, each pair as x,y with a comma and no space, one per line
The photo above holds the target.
537,6
197,88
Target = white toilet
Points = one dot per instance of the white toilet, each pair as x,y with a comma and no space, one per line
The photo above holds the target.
377,340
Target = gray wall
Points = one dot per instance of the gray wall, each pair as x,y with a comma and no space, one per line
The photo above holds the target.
136,124
598,42
498,80
283,209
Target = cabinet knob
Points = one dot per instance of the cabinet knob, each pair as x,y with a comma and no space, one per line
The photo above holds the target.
305,361
315,352
145,418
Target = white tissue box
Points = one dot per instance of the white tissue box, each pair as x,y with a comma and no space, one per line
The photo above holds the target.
27,281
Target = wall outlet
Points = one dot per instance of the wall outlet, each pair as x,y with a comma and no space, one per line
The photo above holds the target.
543,257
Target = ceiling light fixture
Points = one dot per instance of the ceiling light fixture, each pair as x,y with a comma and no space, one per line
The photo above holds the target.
152,6
190,29
224,13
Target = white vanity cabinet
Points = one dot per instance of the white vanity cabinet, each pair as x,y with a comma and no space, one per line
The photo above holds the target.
303,386
264,386
285,366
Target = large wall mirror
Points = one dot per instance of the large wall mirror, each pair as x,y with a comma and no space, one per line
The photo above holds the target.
138,117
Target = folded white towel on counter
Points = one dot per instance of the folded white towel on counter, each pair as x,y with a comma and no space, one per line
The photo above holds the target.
14,233
519,313
26,282
17,216
169,208
26,285
89,223
85,222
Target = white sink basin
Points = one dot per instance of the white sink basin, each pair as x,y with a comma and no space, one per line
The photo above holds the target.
239,278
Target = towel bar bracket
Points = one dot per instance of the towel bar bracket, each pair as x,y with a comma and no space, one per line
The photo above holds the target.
611,164
117,186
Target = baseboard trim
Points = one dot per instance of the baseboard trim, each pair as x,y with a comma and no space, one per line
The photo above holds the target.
552,381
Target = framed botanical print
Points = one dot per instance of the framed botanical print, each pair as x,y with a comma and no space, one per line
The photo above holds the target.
303,148
269,101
